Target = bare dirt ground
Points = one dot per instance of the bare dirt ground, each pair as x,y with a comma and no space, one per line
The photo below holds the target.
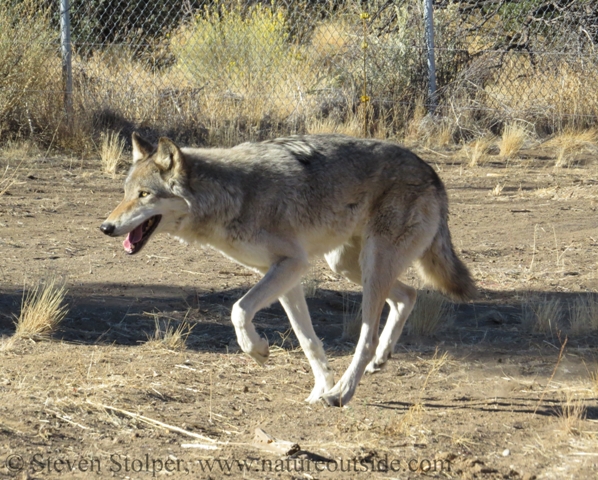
482,398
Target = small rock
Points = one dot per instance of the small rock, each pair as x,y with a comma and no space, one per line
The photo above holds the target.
506,452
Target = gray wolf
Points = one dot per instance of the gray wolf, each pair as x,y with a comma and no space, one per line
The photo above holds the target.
370,207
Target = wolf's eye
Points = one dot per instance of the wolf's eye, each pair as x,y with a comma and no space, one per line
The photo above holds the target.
143,194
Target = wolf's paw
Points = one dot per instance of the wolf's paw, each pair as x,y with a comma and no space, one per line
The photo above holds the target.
339,396
260,351
319,390
315,395
374,367
376,364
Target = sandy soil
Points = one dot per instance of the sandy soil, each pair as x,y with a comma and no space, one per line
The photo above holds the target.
482,398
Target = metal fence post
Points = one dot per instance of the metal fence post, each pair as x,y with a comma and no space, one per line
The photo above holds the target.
429,20
67,71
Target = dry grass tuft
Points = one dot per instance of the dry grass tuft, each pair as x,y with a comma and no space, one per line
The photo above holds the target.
402,426
42,310
351,319
570,142
513,138
444,134
413,417
436,363
476,151
583,315
21,149
572,413
111,151
418,129
542,315
168,337
431,310
497,190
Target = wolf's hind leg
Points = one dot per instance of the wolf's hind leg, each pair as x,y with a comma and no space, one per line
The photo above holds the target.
295,306
280,278
401,301
381,263
345,261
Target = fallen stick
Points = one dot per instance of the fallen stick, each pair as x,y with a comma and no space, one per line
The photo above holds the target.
158,423
201,446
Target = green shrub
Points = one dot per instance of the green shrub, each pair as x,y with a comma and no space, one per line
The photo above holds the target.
235,48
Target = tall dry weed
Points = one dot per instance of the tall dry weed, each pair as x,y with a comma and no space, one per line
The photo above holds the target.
512,140
111,151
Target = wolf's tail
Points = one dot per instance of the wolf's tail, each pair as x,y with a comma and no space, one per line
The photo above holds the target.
441,266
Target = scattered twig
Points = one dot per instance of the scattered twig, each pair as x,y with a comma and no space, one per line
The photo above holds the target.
435,152
201,446
191,272
66,419
187,367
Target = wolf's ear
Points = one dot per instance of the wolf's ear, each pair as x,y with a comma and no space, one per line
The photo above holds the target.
169,156
141,147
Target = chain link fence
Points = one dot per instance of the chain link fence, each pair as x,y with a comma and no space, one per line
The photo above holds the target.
222,71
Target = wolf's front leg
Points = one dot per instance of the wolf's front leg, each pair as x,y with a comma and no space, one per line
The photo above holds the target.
247,337
294,304
280,278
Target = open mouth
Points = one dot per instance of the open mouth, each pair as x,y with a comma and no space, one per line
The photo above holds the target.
137,237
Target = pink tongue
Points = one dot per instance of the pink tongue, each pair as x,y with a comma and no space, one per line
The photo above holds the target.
133,237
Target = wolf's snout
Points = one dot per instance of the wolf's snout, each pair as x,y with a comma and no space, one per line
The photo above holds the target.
107,228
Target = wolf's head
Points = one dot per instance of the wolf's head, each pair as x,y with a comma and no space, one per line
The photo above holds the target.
152,200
